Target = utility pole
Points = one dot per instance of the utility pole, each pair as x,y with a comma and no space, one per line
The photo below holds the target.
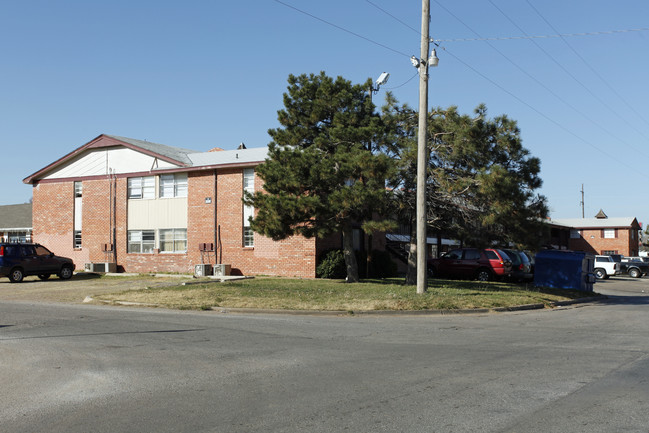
582,200
422,151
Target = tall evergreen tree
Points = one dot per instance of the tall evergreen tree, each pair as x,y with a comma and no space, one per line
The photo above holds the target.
481,184
320,176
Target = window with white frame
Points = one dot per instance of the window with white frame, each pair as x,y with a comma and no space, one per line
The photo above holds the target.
77,239
78,189
141,241
608,234
248,211
141,187
173,185
173,240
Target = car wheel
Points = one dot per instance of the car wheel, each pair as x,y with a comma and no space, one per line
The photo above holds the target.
483,275
600,273
16,275
44,276
66,272
634,273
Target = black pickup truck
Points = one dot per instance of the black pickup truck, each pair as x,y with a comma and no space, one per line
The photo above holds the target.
631,266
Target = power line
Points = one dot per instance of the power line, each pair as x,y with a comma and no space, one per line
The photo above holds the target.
565,35
342,28
596,124
593,70
612,157
395,18
401,85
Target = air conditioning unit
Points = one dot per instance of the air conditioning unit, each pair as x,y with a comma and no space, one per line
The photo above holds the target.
100,267
222,270
202,270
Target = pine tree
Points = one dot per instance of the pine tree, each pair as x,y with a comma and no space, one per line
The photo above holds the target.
481,184
321,176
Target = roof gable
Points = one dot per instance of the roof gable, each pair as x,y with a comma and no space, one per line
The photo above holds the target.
94,158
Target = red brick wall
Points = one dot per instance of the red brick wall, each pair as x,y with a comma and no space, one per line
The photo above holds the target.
292,257
593,241
53,222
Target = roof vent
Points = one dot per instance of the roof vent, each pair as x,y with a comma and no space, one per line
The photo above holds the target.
241,146
601,215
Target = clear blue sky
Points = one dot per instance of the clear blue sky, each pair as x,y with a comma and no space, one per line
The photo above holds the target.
201,74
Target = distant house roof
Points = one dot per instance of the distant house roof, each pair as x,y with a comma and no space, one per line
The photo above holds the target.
596,223
16,217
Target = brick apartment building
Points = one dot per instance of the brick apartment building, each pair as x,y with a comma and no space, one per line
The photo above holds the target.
149,207
602,235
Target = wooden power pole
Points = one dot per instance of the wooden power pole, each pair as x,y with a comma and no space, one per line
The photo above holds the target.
422,152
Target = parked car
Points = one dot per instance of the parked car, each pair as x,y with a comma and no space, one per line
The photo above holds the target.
605,267
521,265
471,263
19,260
634,267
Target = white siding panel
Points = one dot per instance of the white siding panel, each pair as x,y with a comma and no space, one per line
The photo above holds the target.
168,213
100,161
78,212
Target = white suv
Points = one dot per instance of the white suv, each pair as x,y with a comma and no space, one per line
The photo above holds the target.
605,266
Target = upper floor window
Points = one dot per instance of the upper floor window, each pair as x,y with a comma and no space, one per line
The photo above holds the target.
78,189
609,233
575,234
141,187
173,185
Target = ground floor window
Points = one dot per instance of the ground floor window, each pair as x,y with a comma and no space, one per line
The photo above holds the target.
77,238
141,241
609,252
173,240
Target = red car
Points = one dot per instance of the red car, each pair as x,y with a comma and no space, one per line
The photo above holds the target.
471,263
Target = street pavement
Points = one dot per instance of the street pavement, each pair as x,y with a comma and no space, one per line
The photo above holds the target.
87,368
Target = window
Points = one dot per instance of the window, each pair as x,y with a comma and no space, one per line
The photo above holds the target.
77,239
609,233
173,185
471,255
575,234
248,211
608,253
141,241
78,189
173,240
141,187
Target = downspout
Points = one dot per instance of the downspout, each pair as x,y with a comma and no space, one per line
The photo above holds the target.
216,237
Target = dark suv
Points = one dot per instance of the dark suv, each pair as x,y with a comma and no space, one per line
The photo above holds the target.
471,263
19,260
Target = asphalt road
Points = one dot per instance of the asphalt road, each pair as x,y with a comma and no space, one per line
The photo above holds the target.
84,368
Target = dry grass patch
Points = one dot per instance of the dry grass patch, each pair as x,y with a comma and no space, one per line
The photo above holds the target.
336,295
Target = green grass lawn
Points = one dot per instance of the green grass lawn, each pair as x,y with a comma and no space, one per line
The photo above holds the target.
336,295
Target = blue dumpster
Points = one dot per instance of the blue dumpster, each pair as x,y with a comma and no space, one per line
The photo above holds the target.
564,270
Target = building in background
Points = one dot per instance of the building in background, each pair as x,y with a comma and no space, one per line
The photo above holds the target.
602,235
16,223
